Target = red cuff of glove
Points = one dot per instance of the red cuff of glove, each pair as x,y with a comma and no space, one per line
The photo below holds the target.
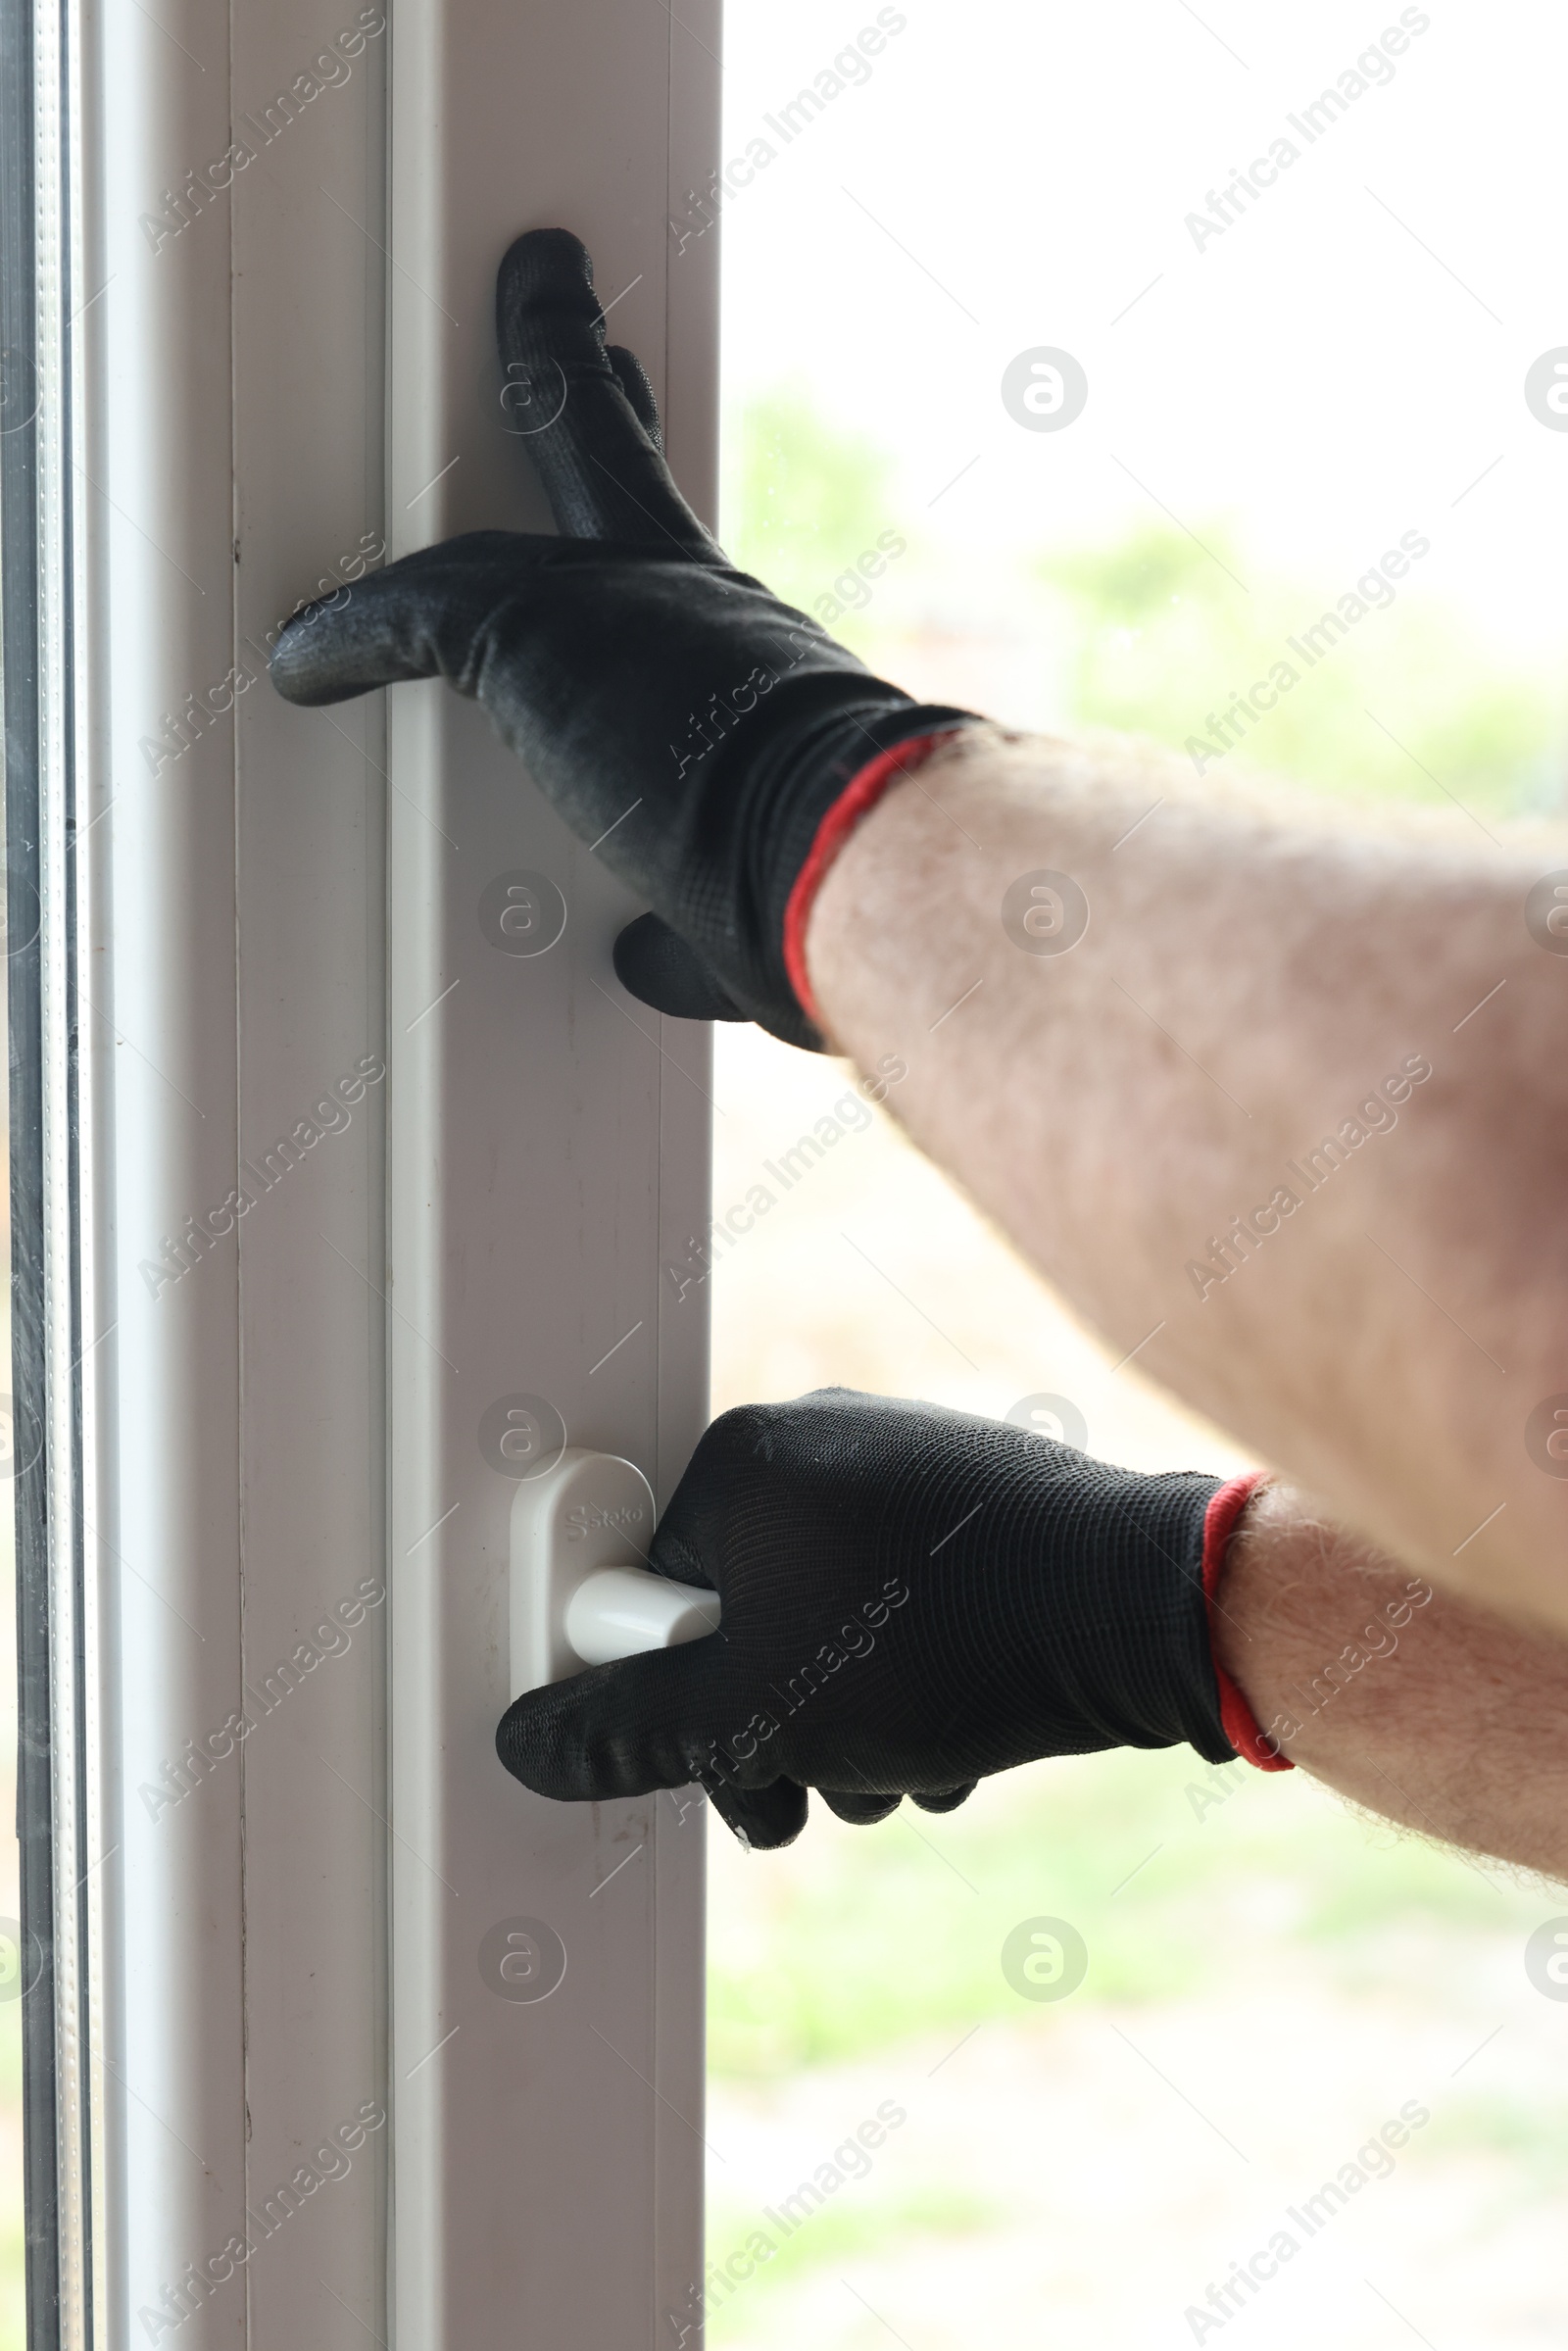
856,800
1236,1716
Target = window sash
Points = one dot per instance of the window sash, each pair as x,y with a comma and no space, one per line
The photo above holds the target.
250,1936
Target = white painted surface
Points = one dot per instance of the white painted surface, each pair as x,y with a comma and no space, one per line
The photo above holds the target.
546,1147
548,1153
235,392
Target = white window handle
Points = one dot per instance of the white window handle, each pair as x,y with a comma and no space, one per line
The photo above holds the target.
577,1597
623,1610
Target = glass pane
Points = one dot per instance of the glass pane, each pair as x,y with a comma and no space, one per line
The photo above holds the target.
24,2001
939,225
17,1975
16,412
19,1988
45,2204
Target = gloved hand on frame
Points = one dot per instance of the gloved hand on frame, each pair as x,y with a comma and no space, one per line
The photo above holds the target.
693,730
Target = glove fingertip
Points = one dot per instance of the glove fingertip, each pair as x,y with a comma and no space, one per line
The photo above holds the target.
301,667
545,269
764,1820
513,1744
860,1811
946,1799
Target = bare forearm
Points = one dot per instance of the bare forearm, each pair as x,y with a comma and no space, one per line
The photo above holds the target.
1406,1700
1141,1113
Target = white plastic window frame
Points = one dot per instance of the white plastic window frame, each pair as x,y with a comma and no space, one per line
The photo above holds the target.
328,1178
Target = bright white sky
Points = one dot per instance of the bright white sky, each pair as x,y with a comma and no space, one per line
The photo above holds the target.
1314,371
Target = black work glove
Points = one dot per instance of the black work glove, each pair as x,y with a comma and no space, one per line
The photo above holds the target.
911,1598
684,722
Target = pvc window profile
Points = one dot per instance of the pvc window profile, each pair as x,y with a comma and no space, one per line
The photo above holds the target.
309,1176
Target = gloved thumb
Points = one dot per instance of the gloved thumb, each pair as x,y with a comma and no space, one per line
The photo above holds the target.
664,1720
623,1730
655,964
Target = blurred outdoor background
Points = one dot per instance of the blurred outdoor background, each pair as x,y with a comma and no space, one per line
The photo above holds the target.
1269,1978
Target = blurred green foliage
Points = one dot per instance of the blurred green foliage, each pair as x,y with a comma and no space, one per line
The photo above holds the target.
1164,636
1186,1883
1159,630
1532,2136
802,501
864,2223
857,1938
